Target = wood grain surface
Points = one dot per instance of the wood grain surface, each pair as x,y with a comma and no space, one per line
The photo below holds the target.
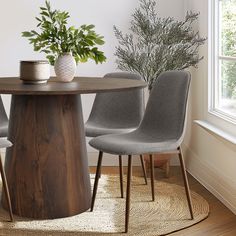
47,167
80,85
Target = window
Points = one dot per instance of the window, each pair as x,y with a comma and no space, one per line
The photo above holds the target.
223,52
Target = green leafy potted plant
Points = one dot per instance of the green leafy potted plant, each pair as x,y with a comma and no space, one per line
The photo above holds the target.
64,45
155,45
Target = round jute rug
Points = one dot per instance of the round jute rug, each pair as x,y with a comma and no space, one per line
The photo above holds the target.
167,214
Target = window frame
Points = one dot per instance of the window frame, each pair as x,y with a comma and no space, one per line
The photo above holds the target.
214,63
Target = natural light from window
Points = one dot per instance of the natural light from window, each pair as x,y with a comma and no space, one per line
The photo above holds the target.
225,60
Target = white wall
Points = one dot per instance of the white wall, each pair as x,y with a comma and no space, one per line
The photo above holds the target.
18,16
210,160
14,20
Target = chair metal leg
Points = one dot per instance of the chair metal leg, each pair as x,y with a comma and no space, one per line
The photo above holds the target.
95,187
129,174
167,169
144,169
6,189
152,177
186,185
121,177
99,175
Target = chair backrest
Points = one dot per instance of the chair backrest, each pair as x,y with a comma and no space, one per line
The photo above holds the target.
119,109
3,120
166,107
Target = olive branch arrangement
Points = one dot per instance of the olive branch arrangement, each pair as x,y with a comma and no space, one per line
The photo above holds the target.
156,44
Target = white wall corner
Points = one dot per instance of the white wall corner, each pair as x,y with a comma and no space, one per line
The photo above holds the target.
216,182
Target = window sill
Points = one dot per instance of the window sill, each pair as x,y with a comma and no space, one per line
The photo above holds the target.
214,130
222,115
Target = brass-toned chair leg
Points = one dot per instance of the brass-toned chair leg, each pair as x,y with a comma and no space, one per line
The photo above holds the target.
6,189
144,169
186,185
121,176
129,174
152,177
98,171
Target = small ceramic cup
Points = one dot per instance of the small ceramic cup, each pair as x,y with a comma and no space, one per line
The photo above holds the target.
34,72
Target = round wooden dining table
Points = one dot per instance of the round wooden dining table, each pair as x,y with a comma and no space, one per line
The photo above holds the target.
47,166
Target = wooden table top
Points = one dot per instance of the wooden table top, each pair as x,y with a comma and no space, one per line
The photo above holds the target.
80,85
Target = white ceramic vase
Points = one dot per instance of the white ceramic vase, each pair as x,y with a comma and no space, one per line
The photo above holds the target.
65,67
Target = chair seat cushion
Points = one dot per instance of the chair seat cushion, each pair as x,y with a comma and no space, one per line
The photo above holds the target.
94,130
133,143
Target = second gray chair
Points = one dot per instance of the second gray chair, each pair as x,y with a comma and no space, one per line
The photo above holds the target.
161,131
3,120
117,112
4,143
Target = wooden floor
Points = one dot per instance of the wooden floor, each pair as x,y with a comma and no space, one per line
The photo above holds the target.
221,221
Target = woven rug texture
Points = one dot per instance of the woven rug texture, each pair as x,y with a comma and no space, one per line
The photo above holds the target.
169,213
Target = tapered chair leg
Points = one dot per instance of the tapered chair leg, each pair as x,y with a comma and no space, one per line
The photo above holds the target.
152,177
167,169
95,187
6,189
121,177
100,172
144,169
99,175
129,174
186,185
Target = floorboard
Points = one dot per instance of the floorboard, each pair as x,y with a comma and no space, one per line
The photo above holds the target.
221,221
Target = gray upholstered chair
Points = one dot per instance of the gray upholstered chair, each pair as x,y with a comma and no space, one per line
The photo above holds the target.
117,112
161,131
4,143
3,120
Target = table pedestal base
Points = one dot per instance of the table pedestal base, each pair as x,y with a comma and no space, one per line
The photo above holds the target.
47,167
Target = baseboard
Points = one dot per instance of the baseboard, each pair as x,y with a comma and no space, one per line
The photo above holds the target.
213,180
216,182
110,160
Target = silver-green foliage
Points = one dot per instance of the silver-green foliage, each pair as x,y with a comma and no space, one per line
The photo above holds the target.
56,38
157,44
